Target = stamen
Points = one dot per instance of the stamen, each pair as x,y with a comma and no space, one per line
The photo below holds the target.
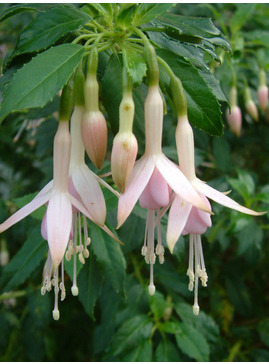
80,256
55,312
47,274
150,256
74,288
159,246
190,272
87,240
195,307
62,287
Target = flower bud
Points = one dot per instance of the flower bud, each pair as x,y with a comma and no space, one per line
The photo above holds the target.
123,157
263,97
234,120
94,136
252,109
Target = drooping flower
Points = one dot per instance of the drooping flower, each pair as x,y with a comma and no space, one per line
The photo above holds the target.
93,126
187,219
250,105
235,117
152,179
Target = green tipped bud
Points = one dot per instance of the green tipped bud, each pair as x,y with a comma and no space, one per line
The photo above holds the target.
179,97
152,63
67,101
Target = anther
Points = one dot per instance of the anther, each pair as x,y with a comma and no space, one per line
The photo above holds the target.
151,289
86,253
81,258
56,314
144,250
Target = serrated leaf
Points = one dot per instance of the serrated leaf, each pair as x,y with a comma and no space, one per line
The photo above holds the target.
147,12
203,107
110,258
24,262
135,64
89,284
192,343
47,28
38,81
132,333
167,352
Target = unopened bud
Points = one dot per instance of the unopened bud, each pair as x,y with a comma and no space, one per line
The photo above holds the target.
235,120
94,136
252,109
123,156
263,97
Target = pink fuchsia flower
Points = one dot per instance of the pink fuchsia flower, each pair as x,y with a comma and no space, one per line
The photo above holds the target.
262,91
250,105
152,179
187,219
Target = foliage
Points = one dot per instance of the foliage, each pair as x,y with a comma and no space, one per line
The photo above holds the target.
116,318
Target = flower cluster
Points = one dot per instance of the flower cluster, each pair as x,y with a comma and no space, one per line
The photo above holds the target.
159,184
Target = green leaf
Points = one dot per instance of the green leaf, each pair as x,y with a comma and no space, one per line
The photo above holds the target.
221,153
24,262
104,10
110,258
244,184
203,107
14,10
47,28
141,353
167,352
239,295
240,16
135,64
263,329
131,334
170,327
249,237
157,305
125,16
147,12
38,81
89,283
192,343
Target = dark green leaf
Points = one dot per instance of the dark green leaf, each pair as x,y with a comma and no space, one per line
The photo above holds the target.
135,64
170,327
89,283
24,262
192,343
167,352
221,153
34,84
15,9
239,295
110,258
47,28
104,10
112,94
131,334
263,329
141,353
157,305
147,12
203,107
249,237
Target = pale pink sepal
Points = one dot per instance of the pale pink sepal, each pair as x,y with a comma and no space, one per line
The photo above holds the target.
90,193
44,230
177,219
179,183
221,198
25,211
59,224
156,193
138,180
45,189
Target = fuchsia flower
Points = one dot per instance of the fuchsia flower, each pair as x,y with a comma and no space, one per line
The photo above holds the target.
185,218
152,179
235,120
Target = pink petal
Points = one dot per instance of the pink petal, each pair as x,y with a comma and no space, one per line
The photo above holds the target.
156,193
138,180
59,224
25,211
179,183
198,220
177,218
221,198
90,193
